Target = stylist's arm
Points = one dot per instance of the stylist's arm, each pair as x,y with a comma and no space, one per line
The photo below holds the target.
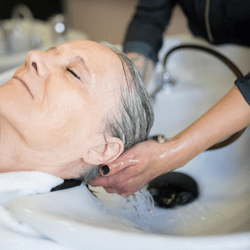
149,159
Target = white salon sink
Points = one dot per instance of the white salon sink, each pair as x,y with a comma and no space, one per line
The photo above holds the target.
218,219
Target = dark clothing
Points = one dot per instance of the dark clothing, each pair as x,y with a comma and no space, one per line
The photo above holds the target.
227,21
218,21
243,85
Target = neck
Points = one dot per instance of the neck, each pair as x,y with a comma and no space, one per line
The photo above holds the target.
15,154
8,147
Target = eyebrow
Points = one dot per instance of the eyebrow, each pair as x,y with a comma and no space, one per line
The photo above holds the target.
83,63
54,49
77,58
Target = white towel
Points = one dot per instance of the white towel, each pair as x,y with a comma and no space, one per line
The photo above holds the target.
23,183
17,184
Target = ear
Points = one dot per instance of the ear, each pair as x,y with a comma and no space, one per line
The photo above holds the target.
104,152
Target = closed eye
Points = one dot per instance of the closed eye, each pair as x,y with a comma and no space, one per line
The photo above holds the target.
73,73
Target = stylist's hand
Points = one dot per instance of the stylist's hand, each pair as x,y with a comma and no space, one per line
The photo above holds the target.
133,169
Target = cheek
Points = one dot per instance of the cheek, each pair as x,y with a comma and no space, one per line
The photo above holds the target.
67,98
20,69
67,113
67,106
15,106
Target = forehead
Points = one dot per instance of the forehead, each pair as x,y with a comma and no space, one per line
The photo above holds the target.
102,61
88,49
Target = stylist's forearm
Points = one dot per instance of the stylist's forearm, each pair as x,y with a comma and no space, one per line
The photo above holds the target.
143,64
229,115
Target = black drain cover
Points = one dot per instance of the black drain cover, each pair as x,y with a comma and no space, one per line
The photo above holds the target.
173,189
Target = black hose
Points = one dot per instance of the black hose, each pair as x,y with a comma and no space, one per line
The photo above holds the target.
236,71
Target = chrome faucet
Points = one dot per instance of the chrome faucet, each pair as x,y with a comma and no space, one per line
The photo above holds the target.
22,10
167,81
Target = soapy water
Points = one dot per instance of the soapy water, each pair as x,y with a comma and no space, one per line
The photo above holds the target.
204,216
141,200
197,218
140,209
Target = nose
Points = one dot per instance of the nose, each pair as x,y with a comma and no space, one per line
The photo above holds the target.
38,62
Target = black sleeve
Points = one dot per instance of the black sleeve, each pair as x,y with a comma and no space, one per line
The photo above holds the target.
243,84
144,33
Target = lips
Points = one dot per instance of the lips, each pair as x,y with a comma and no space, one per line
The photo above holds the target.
24,84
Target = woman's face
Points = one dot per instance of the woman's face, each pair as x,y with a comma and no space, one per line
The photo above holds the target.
57,100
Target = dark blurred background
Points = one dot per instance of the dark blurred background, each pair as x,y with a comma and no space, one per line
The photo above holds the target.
41,9
101,20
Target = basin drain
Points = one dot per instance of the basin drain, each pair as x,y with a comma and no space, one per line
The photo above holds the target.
173,189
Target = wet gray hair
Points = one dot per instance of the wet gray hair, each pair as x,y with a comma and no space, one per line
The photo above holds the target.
133,118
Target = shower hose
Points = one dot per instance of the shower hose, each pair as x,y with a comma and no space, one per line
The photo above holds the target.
236,71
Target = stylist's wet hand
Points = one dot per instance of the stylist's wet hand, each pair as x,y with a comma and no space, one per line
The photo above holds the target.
132,170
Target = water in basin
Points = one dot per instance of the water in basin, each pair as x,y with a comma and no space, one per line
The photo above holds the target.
219,218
